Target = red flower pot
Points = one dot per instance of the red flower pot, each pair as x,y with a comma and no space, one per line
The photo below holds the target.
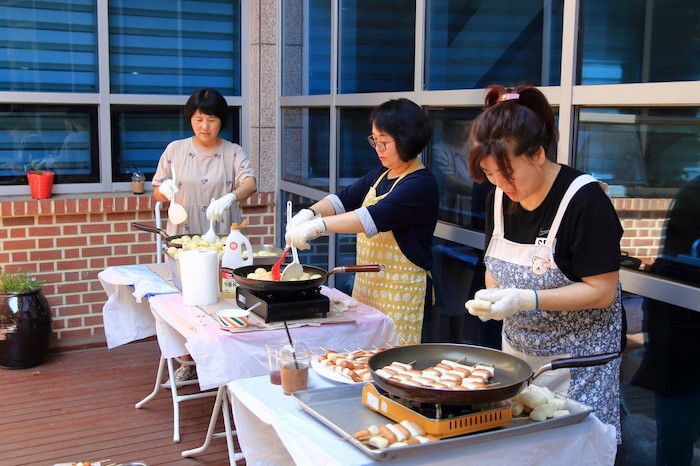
40,184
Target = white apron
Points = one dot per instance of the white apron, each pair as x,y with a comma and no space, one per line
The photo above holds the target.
541,336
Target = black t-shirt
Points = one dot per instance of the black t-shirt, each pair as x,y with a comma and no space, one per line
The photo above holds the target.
410,211
588,241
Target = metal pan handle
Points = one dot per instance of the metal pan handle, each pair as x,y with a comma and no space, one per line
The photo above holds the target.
357,268
582,361
144,227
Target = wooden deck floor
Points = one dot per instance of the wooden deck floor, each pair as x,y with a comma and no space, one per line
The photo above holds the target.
80,406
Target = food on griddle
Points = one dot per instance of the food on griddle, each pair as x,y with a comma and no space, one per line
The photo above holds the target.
196,242
539,403
352,365
262,273
445,375
394,435
262,253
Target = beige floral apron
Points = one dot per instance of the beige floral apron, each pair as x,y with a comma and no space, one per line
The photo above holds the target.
399,290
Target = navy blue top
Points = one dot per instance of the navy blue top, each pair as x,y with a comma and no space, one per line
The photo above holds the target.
410,211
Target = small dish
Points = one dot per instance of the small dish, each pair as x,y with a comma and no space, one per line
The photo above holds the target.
233,318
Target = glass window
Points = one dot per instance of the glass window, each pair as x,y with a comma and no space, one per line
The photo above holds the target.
640,152
306,56
462,201
49,46
165,47
305,146
627,41
56,138
141,135
377,45
471,44
355,156
645,153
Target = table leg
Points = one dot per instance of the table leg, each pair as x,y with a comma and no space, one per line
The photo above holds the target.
156,388
221,404
228,432
177,398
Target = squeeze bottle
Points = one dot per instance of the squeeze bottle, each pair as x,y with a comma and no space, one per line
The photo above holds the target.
233,252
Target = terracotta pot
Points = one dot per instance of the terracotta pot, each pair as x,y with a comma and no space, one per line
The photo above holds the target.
40,185
25,329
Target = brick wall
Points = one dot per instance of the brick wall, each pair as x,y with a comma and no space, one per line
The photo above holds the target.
643,222
65,243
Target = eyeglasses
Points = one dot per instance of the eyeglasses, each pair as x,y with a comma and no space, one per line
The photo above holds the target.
380,146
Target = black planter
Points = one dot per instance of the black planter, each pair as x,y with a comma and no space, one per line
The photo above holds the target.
25,329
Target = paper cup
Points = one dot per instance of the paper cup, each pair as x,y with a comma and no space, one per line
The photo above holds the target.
233,318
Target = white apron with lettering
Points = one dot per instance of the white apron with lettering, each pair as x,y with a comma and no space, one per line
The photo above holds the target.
541,336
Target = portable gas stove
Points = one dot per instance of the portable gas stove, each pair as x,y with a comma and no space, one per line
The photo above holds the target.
276,306
442,421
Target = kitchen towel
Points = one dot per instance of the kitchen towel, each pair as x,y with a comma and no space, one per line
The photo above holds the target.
199,272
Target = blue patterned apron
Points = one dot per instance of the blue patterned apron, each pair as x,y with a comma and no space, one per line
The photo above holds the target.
541,336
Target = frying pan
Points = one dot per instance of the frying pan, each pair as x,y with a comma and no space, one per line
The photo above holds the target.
241,276
167,239
512,374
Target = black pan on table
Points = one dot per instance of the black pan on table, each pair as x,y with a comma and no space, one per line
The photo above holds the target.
512,374
241,276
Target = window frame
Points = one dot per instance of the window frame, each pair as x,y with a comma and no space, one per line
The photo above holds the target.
104,99
567,97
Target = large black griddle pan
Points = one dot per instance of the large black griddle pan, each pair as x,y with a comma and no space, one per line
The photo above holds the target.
512,374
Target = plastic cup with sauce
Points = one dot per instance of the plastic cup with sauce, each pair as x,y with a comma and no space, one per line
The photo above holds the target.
137,182
273,348
294,367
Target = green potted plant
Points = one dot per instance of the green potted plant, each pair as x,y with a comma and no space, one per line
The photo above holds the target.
40,180
25,321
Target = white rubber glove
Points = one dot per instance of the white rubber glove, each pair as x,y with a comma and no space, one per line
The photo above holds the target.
303,216
217,207
300,235
168,188
497,303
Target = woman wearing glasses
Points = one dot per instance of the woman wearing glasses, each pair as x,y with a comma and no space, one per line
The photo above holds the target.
394,210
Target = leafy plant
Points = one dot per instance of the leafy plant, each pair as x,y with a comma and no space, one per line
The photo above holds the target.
36,167
18,282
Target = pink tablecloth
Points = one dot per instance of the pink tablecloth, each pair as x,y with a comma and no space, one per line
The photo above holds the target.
222,356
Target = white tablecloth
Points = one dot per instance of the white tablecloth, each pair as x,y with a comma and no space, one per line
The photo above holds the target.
274,430
222,356
126,315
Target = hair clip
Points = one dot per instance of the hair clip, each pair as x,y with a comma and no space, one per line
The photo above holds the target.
511,96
